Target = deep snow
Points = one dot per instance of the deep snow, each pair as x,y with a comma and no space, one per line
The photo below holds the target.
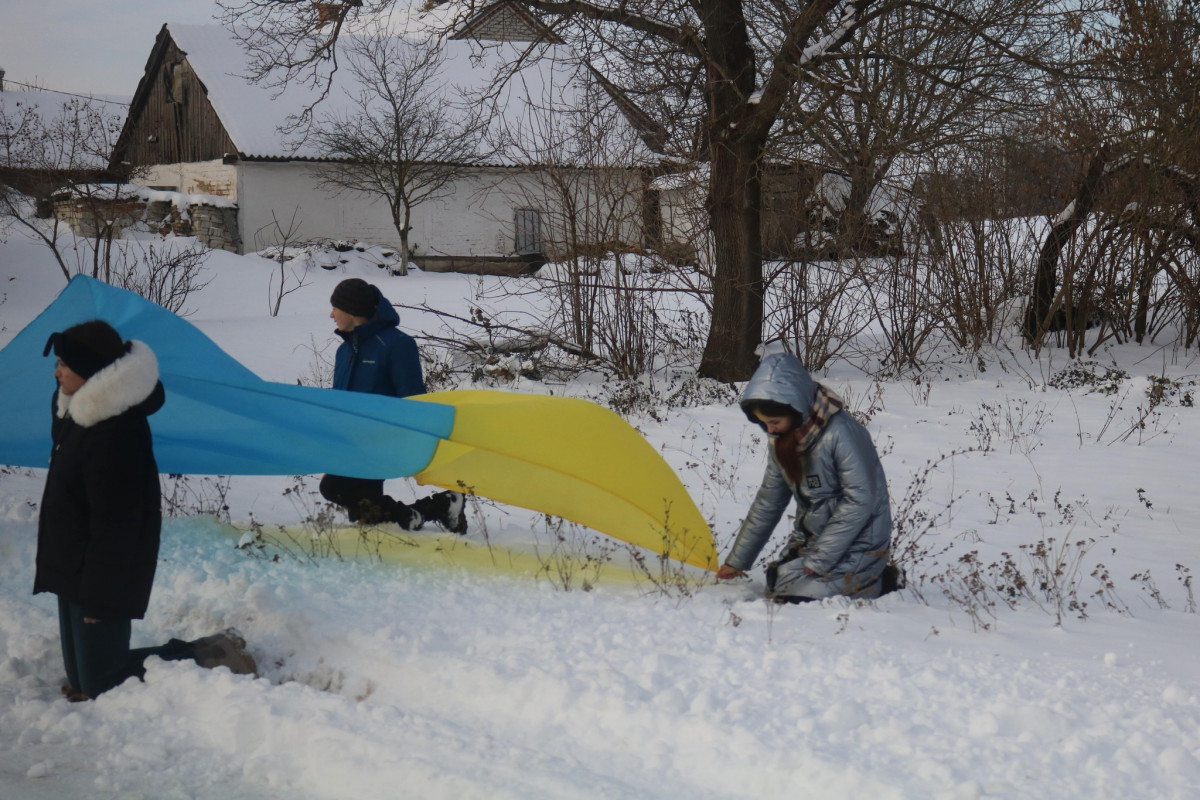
456,677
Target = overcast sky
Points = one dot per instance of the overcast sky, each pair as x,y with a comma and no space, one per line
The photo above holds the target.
86,46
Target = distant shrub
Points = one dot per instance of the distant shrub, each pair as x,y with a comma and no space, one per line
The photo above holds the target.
1090,376
1165,391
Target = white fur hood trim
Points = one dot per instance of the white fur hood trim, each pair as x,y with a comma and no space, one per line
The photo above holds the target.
113,390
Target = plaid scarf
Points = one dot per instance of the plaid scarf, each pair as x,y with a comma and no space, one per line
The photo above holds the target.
791,446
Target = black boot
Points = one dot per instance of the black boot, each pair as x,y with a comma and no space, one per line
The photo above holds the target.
447,509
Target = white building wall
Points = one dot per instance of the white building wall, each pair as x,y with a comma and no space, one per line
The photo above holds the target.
274,197
199,177
475,220
685,225
606,206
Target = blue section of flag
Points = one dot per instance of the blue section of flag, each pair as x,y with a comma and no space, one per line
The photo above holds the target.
220,418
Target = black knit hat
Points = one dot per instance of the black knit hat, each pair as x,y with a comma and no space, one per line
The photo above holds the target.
356,297
88,347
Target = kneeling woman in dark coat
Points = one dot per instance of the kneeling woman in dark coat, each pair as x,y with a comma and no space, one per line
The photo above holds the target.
98,532
821,457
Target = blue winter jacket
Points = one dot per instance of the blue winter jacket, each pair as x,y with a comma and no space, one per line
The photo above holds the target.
843,527
377,357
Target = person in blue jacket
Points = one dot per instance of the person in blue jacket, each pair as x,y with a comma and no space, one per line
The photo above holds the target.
377,357
821,457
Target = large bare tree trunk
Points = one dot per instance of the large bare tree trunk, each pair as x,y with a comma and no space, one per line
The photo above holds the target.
1039,313
734,196
737,315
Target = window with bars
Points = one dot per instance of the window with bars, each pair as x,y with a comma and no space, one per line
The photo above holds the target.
528,223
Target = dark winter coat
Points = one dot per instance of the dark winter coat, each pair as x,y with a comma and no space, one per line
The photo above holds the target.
843,525
377,357
101,515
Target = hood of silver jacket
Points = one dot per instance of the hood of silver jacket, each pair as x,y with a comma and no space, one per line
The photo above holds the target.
780,378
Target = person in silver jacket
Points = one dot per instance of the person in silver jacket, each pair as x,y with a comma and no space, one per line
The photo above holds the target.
824,459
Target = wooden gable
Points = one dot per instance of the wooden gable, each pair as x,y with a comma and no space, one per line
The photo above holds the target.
171,120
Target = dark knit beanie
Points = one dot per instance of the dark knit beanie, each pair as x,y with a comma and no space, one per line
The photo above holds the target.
87,348
356,297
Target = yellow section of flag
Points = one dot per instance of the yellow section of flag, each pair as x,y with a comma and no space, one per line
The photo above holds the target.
573,459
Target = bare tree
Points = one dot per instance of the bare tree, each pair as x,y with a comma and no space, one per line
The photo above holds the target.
918,82
286,246
406,137
1136,123
55,184
297,40
608,298
21,137
50,150
717,76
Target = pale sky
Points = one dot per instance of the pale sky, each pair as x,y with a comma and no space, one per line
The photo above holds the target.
86,46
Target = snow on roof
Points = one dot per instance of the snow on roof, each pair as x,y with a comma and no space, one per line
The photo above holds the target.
133,191
181,200
685,179
541,97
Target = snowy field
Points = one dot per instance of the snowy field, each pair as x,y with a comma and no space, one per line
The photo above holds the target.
1046,648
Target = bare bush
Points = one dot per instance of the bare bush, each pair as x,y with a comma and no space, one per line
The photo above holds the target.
895,289
196,495
914,518
162,275
575,559
975,278
285,246
817,307
618,313
1017,422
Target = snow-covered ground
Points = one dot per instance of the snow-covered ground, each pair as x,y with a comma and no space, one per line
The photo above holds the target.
452,669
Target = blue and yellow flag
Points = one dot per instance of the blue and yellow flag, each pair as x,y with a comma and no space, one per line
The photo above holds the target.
561,456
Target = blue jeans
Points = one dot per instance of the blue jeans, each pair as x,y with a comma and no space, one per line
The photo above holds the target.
96,655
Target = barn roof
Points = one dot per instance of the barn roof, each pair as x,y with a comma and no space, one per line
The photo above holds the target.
543,93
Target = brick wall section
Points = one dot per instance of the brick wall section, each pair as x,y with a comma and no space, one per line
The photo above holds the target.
211,177
504,27
200,177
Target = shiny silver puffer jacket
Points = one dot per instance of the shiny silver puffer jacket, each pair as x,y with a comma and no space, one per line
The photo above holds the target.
843,526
